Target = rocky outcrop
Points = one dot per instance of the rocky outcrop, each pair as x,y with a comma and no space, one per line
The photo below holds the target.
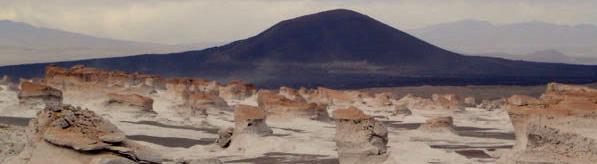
31,93
555,125
359,137
279,107
80,77
326,96
448,101
181,86
402,110
437,102
291,94
197,104
249,122
72,135
237,90
438,124
145,104
492,104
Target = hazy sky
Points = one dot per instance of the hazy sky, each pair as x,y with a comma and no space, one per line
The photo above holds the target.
196,21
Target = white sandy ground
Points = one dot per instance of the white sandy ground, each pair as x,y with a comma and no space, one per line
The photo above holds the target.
408,146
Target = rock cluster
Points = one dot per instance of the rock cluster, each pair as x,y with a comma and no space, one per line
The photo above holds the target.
237,90
81,77
39,93
492,104
280,107
67,134
133,100
555,125
359,137
180,87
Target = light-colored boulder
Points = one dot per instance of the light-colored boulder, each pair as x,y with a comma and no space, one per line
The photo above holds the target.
359,137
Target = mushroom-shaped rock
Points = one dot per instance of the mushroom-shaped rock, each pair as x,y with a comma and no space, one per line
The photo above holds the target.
438,124
554,124
68,134
279,107
197,104
134,100
359,137
249,119
35,92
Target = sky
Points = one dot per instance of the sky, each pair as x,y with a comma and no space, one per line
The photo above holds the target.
209,21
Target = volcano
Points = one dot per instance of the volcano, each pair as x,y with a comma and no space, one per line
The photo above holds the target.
337,48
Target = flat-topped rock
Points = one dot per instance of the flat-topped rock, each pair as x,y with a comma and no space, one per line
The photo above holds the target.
82,77
359,138
134,100
350,113
67,134
552,125
36,92
278,106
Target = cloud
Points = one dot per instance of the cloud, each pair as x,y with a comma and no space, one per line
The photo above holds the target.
191,21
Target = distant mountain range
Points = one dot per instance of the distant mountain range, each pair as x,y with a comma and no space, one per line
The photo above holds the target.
22,43
535,41
337,48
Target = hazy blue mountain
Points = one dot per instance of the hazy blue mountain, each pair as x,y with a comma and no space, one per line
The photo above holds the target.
480,37
22,43
337,48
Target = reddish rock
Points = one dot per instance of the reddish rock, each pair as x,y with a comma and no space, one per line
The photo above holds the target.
237,90
278,106
35,92
135,100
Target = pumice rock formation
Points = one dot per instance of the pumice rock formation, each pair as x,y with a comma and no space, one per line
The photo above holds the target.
71,135
31,93
556,128
281,108
145,104
359,137
249,123
437,102
438,124
237,90
197,104
81,77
